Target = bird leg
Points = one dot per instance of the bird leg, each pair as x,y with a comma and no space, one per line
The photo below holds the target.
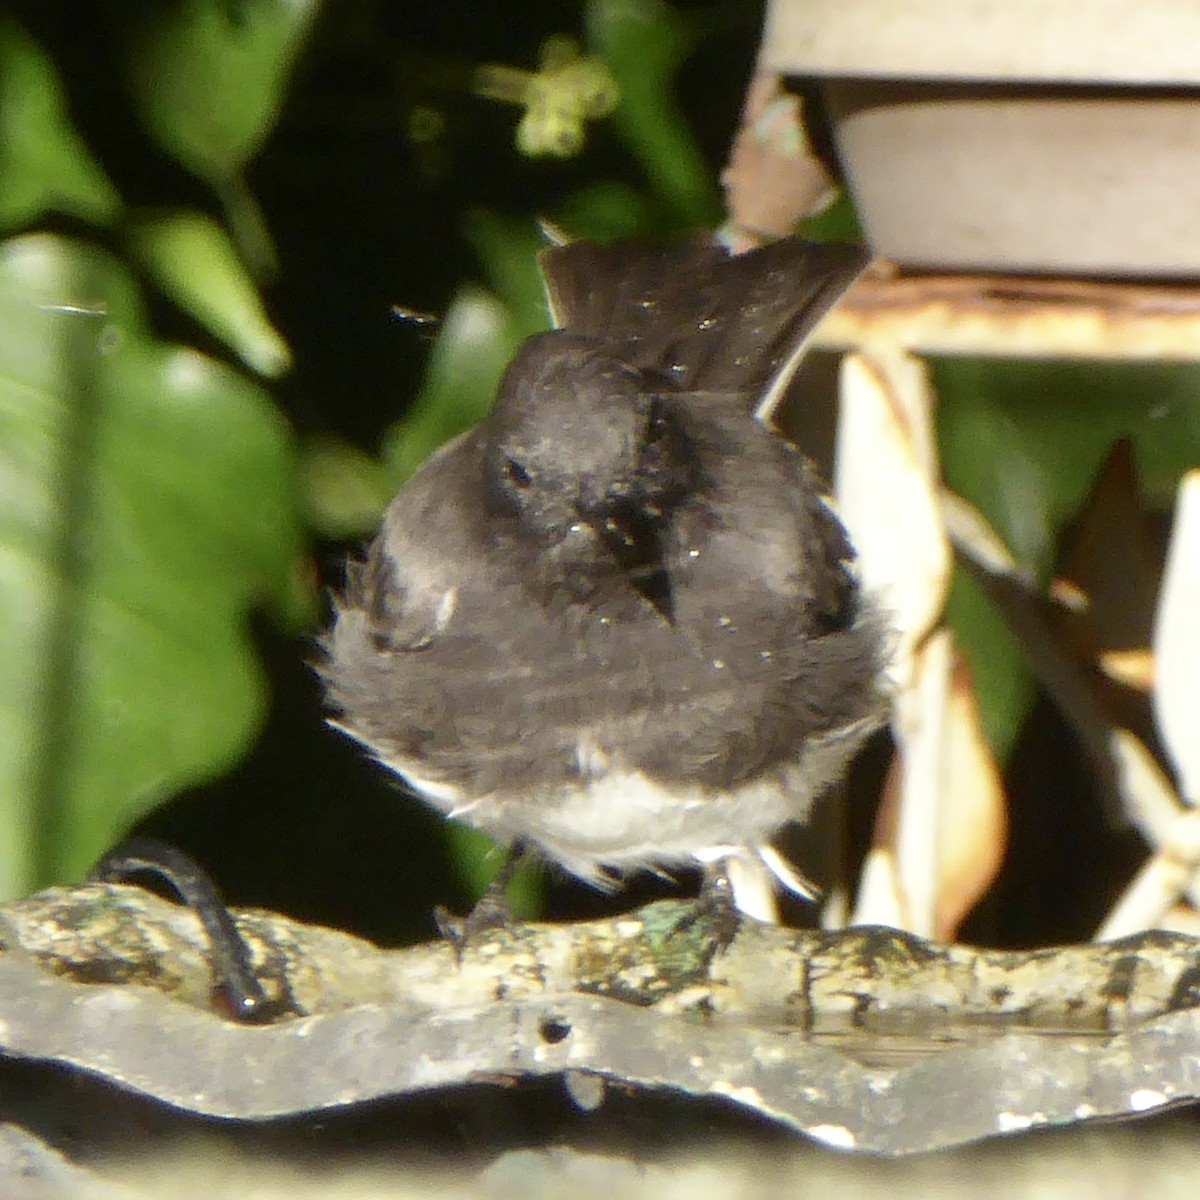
490,911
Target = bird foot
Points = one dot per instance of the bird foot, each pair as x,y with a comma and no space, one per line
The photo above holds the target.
491,910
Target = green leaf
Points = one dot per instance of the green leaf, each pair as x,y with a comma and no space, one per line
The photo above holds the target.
837,223
1022,441
44,165
192,259
605,212
344,488
146,503
479,860
644,43
508,248
476,342
208,76
1004,685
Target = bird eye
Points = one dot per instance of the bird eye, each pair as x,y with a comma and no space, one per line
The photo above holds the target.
516,474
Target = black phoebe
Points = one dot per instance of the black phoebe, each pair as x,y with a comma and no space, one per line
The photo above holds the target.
617,618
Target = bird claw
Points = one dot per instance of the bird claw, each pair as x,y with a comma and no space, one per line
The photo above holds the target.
715,908
491,911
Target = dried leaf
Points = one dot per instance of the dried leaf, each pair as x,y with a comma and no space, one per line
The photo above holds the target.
1177,642
887,493
1109,579
773,180
974,829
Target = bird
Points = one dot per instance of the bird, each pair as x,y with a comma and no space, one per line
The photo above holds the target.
619,620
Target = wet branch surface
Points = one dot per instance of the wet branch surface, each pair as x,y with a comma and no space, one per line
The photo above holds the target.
865,1039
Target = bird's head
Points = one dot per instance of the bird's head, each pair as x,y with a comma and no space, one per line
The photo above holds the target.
584,451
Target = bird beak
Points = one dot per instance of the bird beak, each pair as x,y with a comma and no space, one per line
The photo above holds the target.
632,534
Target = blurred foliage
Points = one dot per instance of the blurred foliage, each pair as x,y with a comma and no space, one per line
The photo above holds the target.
559,98
1024,441
146,501
214,218
44,163
147,491
207,78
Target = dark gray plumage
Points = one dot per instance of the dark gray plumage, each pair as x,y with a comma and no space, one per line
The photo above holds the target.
617,618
